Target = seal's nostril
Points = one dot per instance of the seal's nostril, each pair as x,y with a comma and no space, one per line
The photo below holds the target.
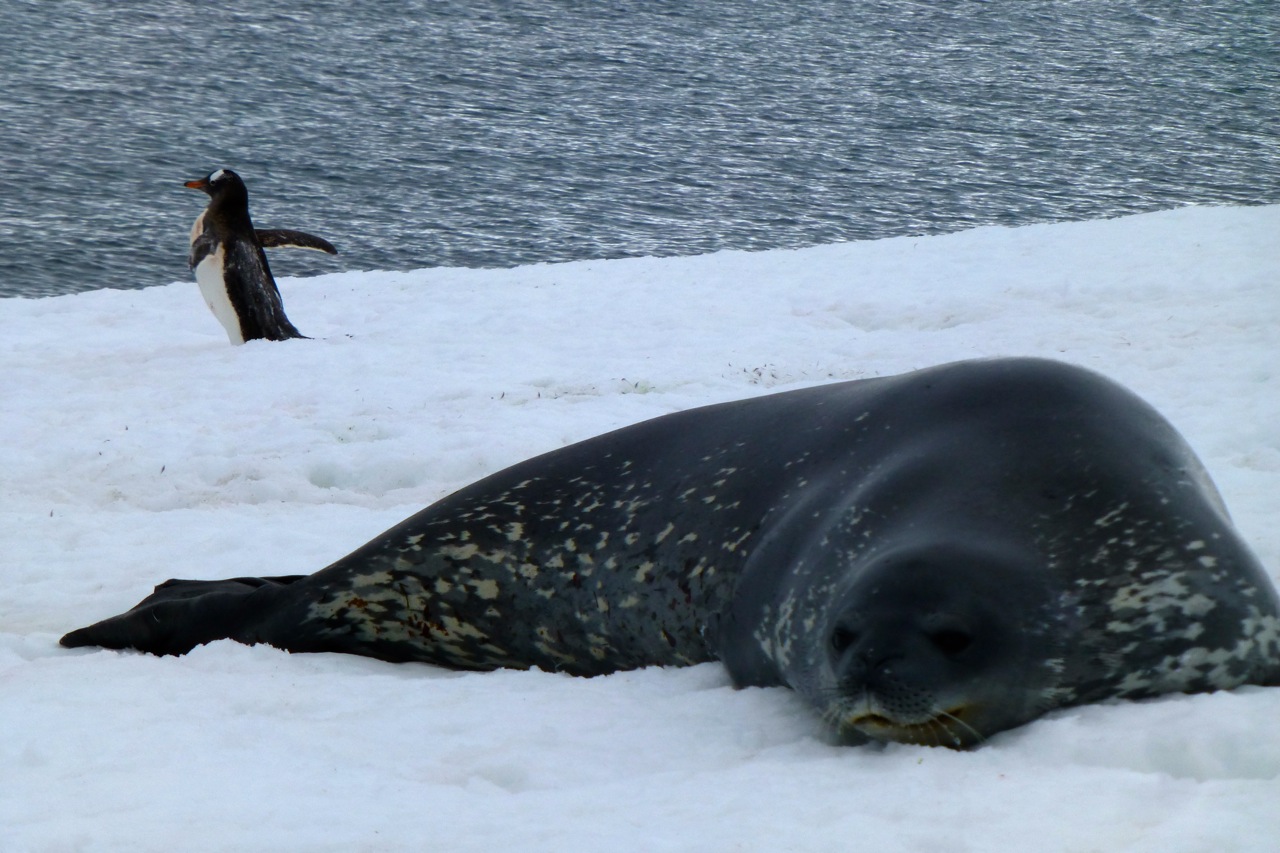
951,641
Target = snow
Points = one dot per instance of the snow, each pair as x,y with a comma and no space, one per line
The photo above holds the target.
138,446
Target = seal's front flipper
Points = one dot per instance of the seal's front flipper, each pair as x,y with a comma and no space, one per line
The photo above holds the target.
183,614
272,238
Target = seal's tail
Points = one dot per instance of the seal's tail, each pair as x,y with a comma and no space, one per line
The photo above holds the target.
180,615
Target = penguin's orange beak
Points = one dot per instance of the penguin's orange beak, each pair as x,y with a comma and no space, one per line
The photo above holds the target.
197,184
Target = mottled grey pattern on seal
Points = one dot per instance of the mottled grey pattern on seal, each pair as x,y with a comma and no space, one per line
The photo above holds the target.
928,558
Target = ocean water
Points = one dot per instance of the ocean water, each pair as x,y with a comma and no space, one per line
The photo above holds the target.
443,132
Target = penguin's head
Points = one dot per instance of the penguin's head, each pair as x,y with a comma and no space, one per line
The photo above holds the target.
220,183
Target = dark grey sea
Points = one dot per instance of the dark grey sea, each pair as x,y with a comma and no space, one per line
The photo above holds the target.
443,132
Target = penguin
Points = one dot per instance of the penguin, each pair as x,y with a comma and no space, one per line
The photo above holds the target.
230,266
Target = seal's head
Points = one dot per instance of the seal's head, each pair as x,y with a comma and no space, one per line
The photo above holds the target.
941,644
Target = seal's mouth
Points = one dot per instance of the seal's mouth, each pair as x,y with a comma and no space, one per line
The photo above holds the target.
947,728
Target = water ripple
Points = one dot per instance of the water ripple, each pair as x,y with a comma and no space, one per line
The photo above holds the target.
453,133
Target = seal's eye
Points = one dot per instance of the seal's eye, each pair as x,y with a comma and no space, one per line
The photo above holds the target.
950,641
842,639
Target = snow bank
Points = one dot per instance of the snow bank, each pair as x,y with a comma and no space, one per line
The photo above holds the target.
138,445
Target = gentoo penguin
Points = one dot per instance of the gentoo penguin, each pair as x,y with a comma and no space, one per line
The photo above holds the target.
230,266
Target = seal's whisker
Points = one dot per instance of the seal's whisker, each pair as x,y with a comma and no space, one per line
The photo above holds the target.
977,735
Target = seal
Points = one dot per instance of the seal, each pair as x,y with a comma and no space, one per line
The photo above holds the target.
230,267
928,558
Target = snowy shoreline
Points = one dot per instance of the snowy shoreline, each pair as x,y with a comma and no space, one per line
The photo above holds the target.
140,446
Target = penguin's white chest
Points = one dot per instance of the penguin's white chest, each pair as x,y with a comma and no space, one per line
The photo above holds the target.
213,287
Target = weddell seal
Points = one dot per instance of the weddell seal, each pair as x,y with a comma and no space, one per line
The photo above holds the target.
928,558
230,267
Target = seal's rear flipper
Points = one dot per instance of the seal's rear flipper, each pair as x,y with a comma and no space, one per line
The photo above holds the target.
182,614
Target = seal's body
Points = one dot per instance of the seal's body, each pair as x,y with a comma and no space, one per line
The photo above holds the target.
230,267
928,558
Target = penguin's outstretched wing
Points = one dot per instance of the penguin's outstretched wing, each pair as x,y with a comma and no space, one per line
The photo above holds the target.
271,238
